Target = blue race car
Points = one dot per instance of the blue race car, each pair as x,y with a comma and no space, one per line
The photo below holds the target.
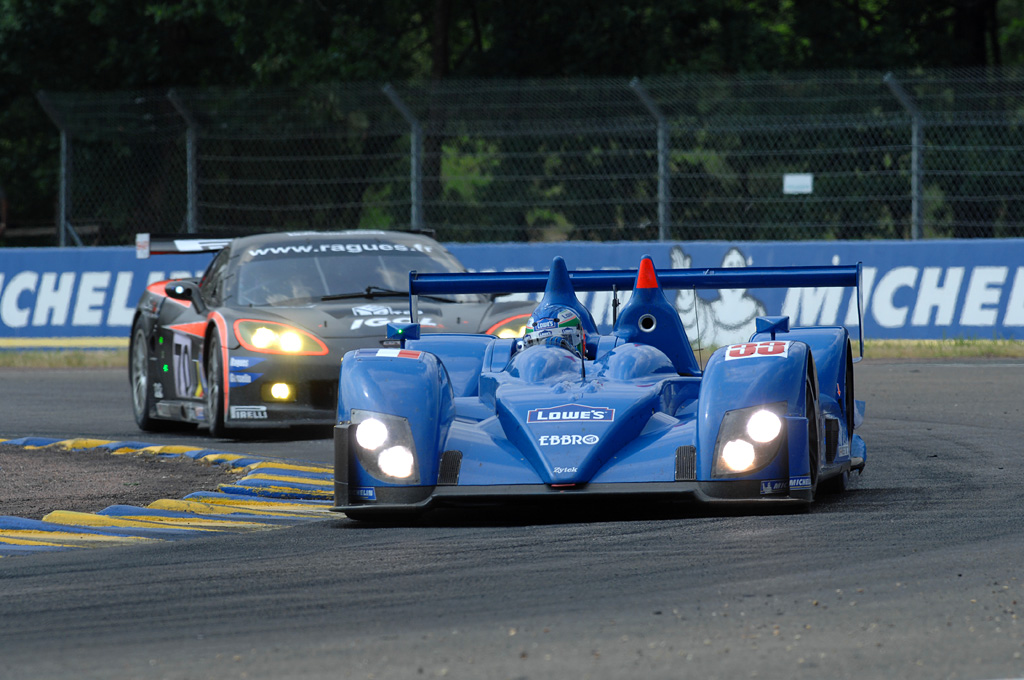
471,420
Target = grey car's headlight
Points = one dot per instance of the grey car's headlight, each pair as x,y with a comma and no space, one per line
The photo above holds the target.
384,446
748,439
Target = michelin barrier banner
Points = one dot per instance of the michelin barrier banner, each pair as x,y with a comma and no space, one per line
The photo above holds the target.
85,297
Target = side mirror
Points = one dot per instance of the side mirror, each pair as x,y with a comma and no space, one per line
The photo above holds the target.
186,291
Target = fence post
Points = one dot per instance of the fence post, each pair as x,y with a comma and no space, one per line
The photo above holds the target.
916,167
65,190
416,160
191,162
64,198
664,206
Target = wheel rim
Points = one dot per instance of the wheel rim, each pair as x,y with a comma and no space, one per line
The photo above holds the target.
140,381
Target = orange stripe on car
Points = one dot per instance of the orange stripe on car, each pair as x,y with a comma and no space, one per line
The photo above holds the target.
196,328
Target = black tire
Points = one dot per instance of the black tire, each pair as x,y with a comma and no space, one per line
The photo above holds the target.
841,482
837,484
385,518
815,436
850,397
215,388
142,394
138,379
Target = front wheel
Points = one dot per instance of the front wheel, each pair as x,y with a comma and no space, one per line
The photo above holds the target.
837,484
814,434
215,388
386,518
142,391
138,377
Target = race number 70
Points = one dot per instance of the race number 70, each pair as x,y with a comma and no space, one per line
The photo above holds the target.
750,350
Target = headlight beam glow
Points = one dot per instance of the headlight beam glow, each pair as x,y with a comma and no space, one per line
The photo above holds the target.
290,342
263,337
271,337
384,447
396,461
764,426
738,455
371,434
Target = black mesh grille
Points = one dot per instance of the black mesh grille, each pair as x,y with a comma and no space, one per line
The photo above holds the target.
451,464
831,438
686,464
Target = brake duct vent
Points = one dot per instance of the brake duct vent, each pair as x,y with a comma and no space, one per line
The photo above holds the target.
686,464
451,465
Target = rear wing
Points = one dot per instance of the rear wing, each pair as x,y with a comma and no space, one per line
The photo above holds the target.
163,244
500,283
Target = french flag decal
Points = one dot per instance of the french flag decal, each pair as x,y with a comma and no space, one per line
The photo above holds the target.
399,353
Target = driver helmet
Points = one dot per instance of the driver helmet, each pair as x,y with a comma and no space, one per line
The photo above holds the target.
558,326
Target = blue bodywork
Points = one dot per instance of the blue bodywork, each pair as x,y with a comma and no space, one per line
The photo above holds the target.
460,419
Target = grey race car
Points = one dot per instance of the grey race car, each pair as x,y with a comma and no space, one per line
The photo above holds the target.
256,342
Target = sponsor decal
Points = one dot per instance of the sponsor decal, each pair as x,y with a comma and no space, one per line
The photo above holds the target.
367,493
570,413
753,350
242,363
242,378
542,324
182,364
375,310
769,486
78,292
908,297
564,470
380,321
568,439
349,248
248,412
158,390
800,483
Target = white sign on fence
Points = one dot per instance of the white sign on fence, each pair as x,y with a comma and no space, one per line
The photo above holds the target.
798,183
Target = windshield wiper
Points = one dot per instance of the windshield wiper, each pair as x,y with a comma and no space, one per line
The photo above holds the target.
368,292
376,291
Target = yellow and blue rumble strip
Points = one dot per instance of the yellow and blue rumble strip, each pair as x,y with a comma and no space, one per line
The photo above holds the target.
269,494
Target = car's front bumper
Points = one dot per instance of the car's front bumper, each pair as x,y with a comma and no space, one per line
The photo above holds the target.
312,380
398,500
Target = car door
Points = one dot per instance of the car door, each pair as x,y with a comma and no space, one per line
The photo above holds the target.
184,323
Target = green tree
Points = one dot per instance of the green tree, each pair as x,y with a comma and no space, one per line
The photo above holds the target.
105,45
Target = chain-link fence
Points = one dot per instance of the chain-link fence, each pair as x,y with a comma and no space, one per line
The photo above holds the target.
793,156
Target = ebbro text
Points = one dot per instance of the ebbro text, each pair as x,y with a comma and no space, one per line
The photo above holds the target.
568,439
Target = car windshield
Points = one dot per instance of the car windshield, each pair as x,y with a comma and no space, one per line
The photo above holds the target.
301,273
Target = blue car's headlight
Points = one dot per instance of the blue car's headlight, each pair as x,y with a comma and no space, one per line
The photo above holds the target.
748,439
384,446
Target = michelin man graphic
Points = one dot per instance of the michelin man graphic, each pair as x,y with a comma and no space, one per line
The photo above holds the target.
728,319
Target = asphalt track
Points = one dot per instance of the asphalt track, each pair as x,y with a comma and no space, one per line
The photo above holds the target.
96,404
915,573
